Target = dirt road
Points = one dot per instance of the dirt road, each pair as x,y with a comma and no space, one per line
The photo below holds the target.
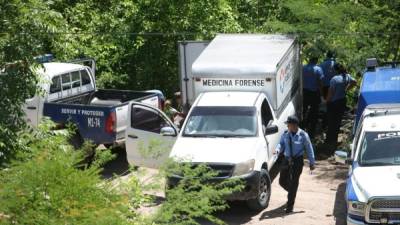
320,198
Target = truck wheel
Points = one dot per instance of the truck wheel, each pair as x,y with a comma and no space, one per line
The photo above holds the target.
264,193
108,146
76,141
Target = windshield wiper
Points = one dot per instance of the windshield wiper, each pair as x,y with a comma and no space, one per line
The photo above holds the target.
217,135
234,136
200,135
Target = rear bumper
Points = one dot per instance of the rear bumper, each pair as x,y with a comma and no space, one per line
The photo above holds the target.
251,182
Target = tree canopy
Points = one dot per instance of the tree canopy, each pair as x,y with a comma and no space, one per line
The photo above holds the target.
135,41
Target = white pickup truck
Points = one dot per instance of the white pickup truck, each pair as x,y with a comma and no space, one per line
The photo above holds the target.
373,185
245,88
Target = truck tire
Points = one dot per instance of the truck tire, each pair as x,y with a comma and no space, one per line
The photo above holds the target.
76,141
108,146
264,193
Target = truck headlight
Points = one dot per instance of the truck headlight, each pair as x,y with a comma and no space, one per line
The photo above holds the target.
244,167
356,208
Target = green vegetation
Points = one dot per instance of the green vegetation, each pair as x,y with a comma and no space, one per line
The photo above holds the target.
135,45
45,186
194,197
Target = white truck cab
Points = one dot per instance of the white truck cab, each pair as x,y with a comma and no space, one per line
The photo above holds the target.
373,185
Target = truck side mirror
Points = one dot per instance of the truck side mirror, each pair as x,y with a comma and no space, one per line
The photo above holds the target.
271,129
168,131
341,157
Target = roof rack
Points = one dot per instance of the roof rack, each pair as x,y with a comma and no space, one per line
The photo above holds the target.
383,109
372,63
44,58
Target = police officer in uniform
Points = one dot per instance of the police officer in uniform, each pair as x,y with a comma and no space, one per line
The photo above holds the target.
292,145
328,68
312,87
336,103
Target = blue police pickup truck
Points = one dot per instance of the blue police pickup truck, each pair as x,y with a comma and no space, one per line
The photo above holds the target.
373,184
70,96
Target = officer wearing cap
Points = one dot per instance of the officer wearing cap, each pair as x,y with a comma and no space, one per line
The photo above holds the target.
312,87
292,145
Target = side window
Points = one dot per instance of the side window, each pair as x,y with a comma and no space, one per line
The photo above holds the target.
55,85
85,77
266,114
76,79
66,81
147,120
356,138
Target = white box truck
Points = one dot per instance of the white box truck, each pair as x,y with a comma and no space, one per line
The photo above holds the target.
242,89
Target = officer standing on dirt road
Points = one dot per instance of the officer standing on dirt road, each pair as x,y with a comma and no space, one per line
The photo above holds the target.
292,145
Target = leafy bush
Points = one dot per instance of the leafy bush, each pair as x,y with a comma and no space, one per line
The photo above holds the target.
195,196
48,184
46,187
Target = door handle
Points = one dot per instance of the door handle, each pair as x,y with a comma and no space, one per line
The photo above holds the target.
31,107
132,136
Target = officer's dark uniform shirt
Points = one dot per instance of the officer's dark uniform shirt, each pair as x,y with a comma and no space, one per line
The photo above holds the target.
311,74
327,67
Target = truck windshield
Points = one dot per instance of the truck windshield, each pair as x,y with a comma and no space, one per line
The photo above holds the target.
221,122
380,149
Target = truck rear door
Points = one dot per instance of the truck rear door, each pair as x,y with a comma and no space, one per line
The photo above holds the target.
150,136
94,123
189,51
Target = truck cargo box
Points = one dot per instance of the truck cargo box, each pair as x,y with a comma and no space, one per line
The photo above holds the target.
244,62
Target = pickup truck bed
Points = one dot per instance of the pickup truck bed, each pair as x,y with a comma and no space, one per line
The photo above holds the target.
101,115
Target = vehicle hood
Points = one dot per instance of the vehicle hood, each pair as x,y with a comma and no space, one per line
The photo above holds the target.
378,180
218,150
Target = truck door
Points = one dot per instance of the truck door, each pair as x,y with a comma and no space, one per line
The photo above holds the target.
271,137
149,136
189,51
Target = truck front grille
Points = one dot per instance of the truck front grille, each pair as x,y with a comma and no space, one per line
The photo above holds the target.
384,210
386,204
376,216
222,170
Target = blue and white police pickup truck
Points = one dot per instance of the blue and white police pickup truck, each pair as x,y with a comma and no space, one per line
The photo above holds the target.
70,95
373,185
